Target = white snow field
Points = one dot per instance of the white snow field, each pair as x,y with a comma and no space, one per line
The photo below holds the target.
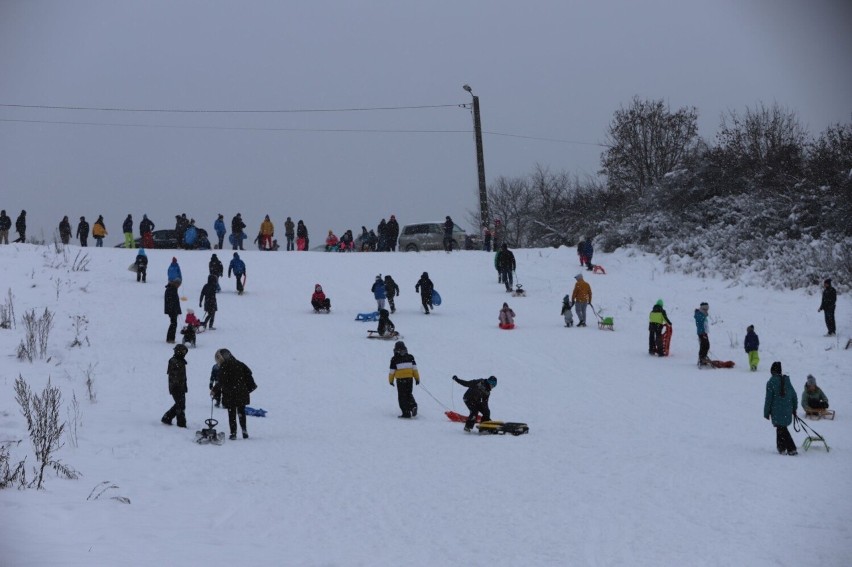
630,459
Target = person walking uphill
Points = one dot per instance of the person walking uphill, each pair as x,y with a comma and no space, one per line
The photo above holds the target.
392,290
21,227
702,327
656,320
425,286
177,387
403,371
171,308
127,228
476,398
237,384
5,225
208,299
238,267
141,263
379,292
83,232
219,228
506,265
752,344
65,230
582,297
780,406
829,301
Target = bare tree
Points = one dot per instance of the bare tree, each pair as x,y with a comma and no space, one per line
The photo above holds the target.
646,141
513,202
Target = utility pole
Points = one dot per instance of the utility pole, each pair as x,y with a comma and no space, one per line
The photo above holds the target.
484,219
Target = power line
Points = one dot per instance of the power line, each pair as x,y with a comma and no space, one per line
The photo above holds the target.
545,139
226,111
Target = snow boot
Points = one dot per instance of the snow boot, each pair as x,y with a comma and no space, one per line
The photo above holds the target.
232,436
245,434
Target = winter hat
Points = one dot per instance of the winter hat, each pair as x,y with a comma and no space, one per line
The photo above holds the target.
492,381
505,305
811,381
174,259
190,311
181,350
750,328
399,348
828,281
378,277
425,275
566,299
704,306
141,252
318,287
659,302
775,368
578,277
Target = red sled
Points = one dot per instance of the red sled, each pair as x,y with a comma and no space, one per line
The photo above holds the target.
722,363
459,418
506,326
596,269
667,339
300,244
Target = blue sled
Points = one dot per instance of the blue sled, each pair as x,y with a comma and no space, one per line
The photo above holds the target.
255,412
374,316
436,298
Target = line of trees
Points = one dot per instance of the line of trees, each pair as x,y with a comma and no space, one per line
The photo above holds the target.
763,197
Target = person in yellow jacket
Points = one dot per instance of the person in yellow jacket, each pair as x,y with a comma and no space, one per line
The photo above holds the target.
582,297
267,231
403,370
99,231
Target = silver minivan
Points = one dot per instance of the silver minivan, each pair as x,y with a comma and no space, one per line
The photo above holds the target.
429,236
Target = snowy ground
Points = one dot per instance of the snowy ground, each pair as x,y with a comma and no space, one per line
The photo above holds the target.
630,460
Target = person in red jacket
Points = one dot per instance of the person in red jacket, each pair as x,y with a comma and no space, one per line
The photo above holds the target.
319,301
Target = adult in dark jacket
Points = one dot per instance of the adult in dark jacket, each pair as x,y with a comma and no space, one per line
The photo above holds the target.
425,287
216,269
65,230
780,405
391,290
506,265
177,387
215,387
146,230
751,345
392,233
219,227
208,297
302,232
141,263
382,233
656,321
21,227
5,225
448,233
290,234
476,398
829,301
237,384
238,267
127,229
181,224
588,252
83,232
237,226
403,371
171,308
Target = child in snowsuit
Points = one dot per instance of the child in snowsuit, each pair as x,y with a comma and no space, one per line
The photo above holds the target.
403,370
701,328
379,293
656,320
506,317
566,311
319,301
238,267
191,327
814,401
476,398
177,387
751,343
780,405
208,298
215,388
425,286
386,327
391,290
141,266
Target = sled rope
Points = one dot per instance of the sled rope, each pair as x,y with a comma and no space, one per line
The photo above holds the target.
595,312
799,422
434,398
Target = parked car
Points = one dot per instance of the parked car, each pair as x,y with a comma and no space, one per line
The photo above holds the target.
430,236
168,239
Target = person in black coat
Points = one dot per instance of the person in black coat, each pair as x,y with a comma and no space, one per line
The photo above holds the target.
64,230
237,384
5,225
21,227
448,234
403,371
215,388
83,232
829,301
392,233
141,263
425,286
208,296
476,398
172,309
177,387
216,269
391,290
302,232
506,265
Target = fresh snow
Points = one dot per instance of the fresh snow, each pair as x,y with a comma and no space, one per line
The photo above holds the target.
630,459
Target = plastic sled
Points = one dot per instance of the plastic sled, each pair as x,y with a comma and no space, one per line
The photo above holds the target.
506,326
256,412
374,316
598,270
436,298
667,339
502,428
606,324
459,418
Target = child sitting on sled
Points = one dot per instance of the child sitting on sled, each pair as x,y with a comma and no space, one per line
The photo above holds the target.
506,317
567,305
386,327
319,301
190,328
814,400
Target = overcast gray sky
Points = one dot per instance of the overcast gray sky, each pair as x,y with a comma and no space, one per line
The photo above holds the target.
556,69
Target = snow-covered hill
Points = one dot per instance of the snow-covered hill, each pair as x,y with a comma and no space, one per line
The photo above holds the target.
630,460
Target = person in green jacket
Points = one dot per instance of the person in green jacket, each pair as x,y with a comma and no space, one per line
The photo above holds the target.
656,321
814,400
780,405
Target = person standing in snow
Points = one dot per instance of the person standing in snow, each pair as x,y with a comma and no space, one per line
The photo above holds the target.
5,225
99,231
780,406
829,301
21,227
173,273
567,305
379,293
146,232
172,308
219,228
237,384
141,266
448,234
290,234
656,320
208,299
303,243
702,328
424,286
127,228
582,297
64,230
237,226
392,234
751,344
177,387
588,252
476,398
403,371
83,232
506,265
391,290
267,231
238,267
215,387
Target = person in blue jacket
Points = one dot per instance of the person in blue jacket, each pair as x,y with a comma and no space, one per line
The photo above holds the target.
238,267
701,328
190,236
174,274
588,252
141,264
219,227
379,292
780,406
